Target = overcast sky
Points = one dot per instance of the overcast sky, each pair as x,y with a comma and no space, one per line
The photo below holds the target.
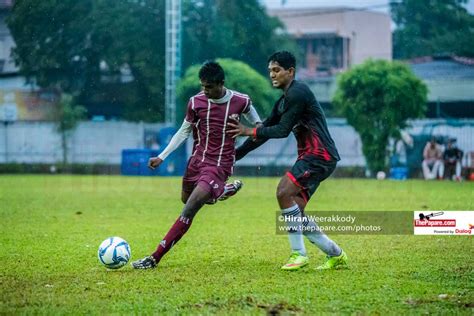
377,5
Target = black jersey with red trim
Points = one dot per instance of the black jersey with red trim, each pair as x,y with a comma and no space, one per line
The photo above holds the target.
298,111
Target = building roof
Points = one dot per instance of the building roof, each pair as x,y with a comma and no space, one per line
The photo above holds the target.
435,68
311,11
449,78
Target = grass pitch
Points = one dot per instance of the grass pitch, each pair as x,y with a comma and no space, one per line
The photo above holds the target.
228,262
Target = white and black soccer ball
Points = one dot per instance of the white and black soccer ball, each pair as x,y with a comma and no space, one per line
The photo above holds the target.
114,253
381,175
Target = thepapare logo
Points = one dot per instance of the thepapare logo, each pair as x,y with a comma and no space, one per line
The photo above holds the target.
428,216
443,223
425,220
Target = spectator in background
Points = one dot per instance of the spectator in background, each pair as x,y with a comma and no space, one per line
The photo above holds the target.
452,161
399,157
432,160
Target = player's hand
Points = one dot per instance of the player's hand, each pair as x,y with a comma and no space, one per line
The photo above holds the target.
154,162
237,129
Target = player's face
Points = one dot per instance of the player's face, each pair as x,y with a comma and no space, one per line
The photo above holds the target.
212,90
280,76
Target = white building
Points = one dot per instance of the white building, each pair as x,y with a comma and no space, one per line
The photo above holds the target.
333,39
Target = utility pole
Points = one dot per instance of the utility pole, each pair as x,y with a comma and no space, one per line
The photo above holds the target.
173,57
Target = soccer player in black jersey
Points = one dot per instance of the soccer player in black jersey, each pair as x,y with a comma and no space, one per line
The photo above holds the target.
297,110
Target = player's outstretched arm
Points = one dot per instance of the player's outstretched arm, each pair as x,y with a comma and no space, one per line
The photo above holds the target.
178,138
284,127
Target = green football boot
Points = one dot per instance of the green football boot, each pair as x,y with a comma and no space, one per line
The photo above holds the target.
338,262
295,262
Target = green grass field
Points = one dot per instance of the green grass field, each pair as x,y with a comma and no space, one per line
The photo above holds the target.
228,263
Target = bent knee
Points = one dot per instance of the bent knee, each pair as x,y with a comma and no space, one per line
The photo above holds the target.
281,193
286,189
184,197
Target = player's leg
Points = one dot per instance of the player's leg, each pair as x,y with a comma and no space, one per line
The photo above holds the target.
185,196
208,184
287,196
335,255
194,203
307,174
301,202
189,185
190,178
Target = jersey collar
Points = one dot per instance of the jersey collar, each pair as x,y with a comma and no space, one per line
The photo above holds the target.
228,94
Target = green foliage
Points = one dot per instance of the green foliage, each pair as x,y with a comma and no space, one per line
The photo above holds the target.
377,98
228,262
432,27
80,47
234,29
240,77
68,116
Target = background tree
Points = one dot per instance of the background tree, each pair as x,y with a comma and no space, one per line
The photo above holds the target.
240,77
377,98
432,27
234,29
83,47
68,116
110,54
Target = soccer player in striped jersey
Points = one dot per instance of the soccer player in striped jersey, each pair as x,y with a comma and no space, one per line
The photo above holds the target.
297,110
213,154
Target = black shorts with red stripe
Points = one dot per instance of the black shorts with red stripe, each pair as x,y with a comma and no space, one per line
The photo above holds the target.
308,172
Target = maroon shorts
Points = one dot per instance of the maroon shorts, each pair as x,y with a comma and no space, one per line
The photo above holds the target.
208,177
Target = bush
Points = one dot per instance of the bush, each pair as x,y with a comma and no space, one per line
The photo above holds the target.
377,98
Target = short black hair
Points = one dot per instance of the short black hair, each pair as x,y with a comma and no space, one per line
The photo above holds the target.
211,71
284,58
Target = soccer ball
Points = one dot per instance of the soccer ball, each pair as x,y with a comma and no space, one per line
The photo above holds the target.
114,253
381,175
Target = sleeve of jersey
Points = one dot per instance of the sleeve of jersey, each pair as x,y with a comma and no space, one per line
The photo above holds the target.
190,113
294,110
177,139
252,116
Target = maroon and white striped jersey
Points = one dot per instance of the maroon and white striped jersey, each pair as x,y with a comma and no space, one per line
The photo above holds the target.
209,119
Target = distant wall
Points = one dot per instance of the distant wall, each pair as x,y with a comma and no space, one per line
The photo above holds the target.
91,142
102,142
